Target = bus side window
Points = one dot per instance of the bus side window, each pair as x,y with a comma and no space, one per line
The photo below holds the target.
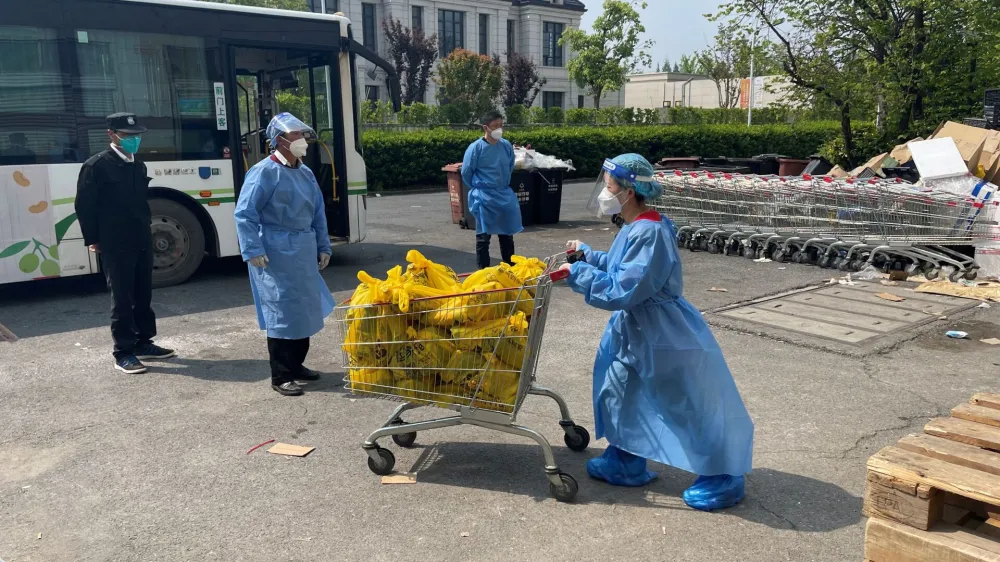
36,126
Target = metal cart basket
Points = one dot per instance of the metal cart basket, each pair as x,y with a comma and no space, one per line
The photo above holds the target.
473,353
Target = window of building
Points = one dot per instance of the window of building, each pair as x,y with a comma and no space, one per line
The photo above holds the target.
417,15
371,94
511,38
35,127
332,6
580,102
368,25
553,99
163,79
484,34
451,31
552,52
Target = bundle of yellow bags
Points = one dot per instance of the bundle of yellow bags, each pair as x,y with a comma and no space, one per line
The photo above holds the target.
428,336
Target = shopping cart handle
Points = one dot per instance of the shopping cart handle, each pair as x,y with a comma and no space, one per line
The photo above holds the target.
574,256
559,275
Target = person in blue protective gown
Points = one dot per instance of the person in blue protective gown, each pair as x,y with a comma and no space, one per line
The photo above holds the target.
662,390
486,169
281,225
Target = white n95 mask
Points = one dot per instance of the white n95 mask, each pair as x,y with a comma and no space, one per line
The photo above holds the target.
609,203
299,147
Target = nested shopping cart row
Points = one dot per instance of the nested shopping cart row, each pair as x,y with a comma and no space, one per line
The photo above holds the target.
840,223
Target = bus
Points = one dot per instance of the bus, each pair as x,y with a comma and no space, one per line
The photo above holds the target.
205,79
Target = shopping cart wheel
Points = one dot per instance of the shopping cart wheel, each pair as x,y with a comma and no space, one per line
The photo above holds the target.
932,273
385,463
405,440
749,252
956,275
971,274
577,438
462,224
566,492
778,256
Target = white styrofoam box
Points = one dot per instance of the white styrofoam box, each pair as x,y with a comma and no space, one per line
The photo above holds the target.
938,158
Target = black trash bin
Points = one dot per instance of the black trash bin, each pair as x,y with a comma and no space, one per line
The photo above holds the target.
549,204
769,164
525,186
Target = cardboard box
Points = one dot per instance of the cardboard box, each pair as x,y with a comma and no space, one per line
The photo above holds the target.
875,165
990,158
837,172
901,153
969,140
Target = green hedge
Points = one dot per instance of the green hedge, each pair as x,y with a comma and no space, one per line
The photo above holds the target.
399,160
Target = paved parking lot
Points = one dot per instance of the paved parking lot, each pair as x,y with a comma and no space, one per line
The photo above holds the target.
99,466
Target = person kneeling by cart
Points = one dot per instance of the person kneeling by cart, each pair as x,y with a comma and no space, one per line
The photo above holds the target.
662,389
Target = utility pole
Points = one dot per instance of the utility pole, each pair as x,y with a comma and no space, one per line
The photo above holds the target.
753,47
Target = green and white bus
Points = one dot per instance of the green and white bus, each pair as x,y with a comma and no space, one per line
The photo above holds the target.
205,78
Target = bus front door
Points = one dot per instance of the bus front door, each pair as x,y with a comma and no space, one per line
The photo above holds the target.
305,84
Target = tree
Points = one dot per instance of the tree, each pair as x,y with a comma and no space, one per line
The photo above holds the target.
412,56
606,57
728,61
469,84
521,81
688,65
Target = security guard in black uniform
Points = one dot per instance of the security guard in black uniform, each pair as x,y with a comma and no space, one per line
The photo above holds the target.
114,217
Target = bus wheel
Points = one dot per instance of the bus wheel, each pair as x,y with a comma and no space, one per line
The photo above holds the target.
178,242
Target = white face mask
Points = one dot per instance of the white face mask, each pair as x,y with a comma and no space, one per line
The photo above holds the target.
610,205
298,148
497,134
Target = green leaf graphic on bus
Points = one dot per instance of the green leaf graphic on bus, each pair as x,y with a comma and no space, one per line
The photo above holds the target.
14,249
36,260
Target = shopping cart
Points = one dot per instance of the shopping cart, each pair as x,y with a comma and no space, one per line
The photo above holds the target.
849,224
427,354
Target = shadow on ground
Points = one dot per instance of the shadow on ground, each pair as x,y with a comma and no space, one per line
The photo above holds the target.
777,499
80,303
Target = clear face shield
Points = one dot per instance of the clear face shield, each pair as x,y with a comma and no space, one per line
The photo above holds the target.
601,202
285,123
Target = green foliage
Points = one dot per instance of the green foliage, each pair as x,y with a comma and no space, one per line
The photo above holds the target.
538,115
400,160
469,83
867,143
585,116
517,115
556,115
604,59
376,112
419,114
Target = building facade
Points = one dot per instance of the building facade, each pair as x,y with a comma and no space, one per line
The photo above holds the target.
529,27
671,89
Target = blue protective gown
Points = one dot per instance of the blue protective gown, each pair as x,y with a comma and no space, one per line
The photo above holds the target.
486,169
280,214
662,390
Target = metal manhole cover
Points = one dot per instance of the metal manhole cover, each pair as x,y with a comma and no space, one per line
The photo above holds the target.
853,314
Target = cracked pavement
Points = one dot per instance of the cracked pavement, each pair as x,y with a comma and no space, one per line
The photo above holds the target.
102,466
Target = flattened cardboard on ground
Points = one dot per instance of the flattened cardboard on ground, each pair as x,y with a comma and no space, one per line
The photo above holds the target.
290,450
969,141
400,478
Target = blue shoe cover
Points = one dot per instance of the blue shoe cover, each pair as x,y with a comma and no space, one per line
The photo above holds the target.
710,493
620,468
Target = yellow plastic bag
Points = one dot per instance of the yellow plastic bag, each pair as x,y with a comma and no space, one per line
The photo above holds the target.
499,382
487,335
462,366
421,298
425,272
423,355
373,326
527,269
378,381
465,307
425,392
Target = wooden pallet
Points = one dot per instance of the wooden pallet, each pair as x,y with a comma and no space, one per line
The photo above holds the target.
936,496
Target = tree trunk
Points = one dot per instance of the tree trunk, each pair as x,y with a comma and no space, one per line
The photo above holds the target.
914,94
597,97
881,111
845,130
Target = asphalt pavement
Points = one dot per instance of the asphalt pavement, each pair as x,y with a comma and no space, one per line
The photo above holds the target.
99,466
